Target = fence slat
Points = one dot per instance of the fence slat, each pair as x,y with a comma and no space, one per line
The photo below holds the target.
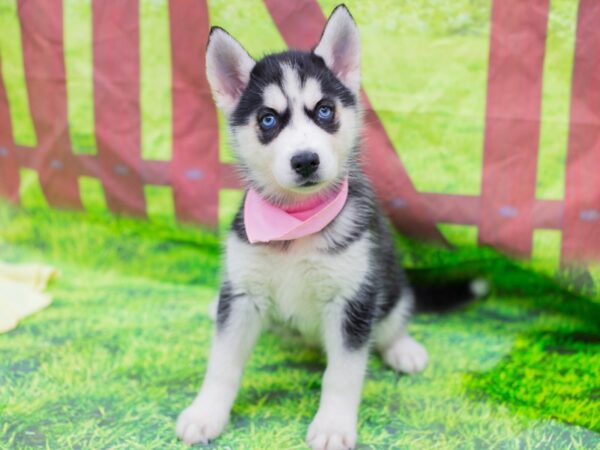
517,44
9,169
116,103
43,55
581,228
392,183
195,165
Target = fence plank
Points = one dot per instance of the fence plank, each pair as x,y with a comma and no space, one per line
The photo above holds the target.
43,54
517,43
581,228
9,169
195,165
392,183
116,103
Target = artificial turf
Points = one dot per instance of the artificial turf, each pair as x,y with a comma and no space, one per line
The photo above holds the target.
123,346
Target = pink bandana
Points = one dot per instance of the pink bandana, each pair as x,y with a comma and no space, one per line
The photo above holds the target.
266,222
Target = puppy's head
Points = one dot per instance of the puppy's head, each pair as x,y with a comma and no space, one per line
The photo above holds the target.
293,116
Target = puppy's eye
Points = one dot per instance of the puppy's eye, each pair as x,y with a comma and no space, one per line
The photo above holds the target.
268,121
325,112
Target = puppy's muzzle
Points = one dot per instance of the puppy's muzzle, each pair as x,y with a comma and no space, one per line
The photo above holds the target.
305,163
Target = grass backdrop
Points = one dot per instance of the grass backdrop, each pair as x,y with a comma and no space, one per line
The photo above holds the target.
123,347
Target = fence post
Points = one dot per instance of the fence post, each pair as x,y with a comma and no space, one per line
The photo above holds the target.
43,54
517,45
195,167
116,104
581,227
9,168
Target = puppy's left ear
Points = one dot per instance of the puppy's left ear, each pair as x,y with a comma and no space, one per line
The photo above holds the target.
340,47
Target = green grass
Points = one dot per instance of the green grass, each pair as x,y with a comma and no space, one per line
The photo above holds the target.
123,347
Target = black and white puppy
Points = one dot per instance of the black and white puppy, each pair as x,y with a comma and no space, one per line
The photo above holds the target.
341,286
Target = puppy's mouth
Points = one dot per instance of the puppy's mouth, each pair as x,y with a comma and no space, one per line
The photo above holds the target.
300,187
309,183
303,189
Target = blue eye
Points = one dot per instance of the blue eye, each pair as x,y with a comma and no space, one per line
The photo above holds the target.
325,112
268,121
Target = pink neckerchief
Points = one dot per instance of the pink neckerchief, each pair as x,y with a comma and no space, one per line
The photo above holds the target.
266,222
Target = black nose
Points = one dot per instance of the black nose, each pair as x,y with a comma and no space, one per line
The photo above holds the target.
305,163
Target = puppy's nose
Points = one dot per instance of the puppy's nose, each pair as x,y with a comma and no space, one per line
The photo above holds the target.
305,163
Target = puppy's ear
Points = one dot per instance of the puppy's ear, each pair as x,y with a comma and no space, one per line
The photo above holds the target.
340,47
228,68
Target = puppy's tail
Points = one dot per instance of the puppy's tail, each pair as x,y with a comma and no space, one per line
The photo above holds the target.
437,295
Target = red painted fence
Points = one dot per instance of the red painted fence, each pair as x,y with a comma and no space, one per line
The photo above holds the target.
507,211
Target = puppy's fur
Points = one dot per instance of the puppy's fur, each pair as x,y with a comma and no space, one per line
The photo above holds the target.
341,287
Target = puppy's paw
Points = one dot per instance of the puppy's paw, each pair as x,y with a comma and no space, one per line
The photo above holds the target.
405,355
331,432
197,424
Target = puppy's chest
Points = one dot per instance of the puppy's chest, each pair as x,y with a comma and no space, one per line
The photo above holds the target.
293,285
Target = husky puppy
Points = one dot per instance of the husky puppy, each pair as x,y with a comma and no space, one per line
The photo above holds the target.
295,124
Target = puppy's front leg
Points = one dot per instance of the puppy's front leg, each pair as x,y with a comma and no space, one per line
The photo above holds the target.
346,344
238,326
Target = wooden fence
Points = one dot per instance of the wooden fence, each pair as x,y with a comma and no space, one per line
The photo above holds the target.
506,213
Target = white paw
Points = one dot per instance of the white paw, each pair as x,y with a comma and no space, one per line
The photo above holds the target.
331,432
405,355
196,424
